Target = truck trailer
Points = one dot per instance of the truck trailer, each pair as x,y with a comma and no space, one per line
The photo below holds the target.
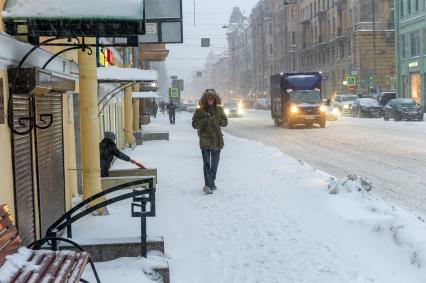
296,99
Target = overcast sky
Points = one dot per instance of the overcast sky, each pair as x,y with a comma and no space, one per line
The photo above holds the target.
210,16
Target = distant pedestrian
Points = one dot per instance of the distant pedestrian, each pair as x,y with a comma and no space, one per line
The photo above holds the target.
163,107
208,120
171,107
155,109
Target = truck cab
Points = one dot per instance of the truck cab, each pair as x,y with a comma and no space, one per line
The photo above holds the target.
297,100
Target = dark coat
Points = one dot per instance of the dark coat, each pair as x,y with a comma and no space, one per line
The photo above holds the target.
108,149
208,121
172,108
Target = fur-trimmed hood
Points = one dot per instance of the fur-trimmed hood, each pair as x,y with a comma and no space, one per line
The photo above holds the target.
206,94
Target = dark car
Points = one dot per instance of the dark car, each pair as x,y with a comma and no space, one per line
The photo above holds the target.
366,108
263,104
403,108
385,97
344,102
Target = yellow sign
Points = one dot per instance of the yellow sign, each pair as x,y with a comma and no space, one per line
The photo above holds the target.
351,81
174,92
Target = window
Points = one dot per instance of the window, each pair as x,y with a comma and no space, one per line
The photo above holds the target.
271,49
409,6
402,8
417,5
415,44
270,28
403,46
1,102
293,38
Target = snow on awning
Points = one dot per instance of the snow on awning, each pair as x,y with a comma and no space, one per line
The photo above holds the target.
76,9
146,94
116,74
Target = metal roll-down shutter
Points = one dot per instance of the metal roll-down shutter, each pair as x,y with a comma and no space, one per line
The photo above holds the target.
50,160
23,173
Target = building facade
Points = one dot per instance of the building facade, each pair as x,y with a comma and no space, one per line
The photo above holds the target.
348,41
410,20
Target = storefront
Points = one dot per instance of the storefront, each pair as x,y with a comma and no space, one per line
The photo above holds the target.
410,35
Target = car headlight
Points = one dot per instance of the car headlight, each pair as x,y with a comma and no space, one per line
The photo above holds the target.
323,108
240,111
294,109
346,106
226,111
336,111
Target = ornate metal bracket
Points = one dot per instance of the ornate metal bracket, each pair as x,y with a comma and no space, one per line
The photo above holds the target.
115,92
31,120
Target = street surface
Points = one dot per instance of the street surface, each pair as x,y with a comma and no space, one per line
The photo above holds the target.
392,154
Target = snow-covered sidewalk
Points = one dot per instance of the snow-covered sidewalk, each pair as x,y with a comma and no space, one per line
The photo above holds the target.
271,220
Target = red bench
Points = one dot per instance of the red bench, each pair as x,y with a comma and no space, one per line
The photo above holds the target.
20,264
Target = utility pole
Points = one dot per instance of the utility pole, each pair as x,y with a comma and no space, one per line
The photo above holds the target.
374,42
263,50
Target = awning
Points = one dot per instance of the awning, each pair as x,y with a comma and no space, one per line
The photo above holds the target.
76,9
147,94
77,18
115,74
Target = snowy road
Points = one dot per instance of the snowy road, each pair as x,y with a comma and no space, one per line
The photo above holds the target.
392,155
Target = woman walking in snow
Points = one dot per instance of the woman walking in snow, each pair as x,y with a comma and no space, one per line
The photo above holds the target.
208,120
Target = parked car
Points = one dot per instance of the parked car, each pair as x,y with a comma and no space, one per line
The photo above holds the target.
385,97
233,109
366,108
344,102
403,108
191,107
262,104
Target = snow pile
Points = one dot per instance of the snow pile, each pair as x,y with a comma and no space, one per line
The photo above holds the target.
352,183
387,221
126,9
15,263
130,270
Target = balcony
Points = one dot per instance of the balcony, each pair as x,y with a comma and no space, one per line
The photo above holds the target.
305,21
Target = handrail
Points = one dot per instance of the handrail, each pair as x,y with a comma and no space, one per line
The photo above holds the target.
67,219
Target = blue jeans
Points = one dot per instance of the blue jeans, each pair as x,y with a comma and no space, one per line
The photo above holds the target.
211,162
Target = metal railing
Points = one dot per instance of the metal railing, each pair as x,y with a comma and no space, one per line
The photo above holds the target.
141,198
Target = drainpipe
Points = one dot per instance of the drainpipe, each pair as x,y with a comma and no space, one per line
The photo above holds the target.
128,105
136,114
89,122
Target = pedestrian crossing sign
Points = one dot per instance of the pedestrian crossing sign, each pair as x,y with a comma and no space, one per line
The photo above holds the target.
174,92
351,81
